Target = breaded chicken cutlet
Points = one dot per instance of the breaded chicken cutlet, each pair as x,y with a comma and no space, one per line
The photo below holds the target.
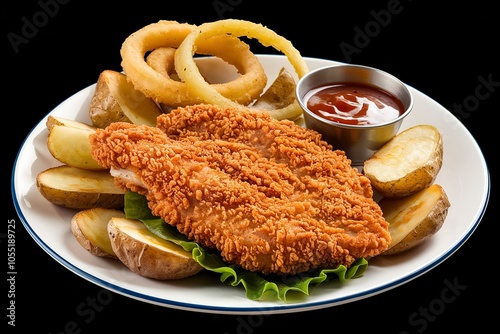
271,196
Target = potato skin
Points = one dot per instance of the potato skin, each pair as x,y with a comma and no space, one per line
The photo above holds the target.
70,145
409,208
90,230
80,200
426,229
280,93
87,244
393,170
56,120
116,100
411,183
104,109
79,189
146,258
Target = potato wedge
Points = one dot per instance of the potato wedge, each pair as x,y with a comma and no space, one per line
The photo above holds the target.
416,218
77,188
280,93
56,120
148,255
409,162
116,100
71,146
90,228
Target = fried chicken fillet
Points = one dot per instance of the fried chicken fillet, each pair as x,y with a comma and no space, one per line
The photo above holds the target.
271,196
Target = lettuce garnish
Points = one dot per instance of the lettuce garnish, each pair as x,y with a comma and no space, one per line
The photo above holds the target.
255,285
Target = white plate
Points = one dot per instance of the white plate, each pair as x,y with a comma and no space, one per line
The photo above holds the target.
467,184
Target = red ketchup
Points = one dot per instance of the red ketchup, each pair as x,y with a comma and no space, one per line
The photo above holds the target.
354,104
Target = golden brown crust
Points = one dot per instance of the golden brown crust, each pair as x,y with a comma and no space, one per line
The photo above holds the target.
270,195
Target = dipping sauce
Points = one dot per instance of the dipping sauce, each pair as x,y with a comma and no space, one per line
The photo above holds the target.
354,104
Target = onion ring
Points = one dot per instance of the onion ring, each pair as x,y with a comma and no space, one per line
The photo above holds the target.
163,89
162,60
187,70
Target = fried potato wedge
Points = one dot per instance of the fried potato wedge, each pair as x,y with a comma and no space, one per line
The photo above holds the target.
416,218
57,120
280,93
116,100
71,146
409,162
90,228
77,188
146,254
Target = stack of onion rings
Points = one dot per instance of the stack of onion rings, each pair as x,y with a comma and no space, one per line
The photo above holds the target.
220,39
163,89
188,71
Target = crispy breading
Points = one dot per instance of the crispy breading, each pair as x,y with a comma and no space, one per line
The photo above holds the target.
271,196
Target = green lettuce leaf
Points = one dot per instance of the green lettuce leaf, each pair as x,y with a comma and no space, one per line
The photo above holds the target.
256,285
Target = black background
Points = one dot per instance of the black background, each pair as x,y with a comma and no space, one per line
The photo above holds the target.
441,51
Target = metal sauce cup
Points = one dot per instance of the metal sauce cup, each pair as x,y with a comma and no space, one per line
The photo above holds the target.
358,141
